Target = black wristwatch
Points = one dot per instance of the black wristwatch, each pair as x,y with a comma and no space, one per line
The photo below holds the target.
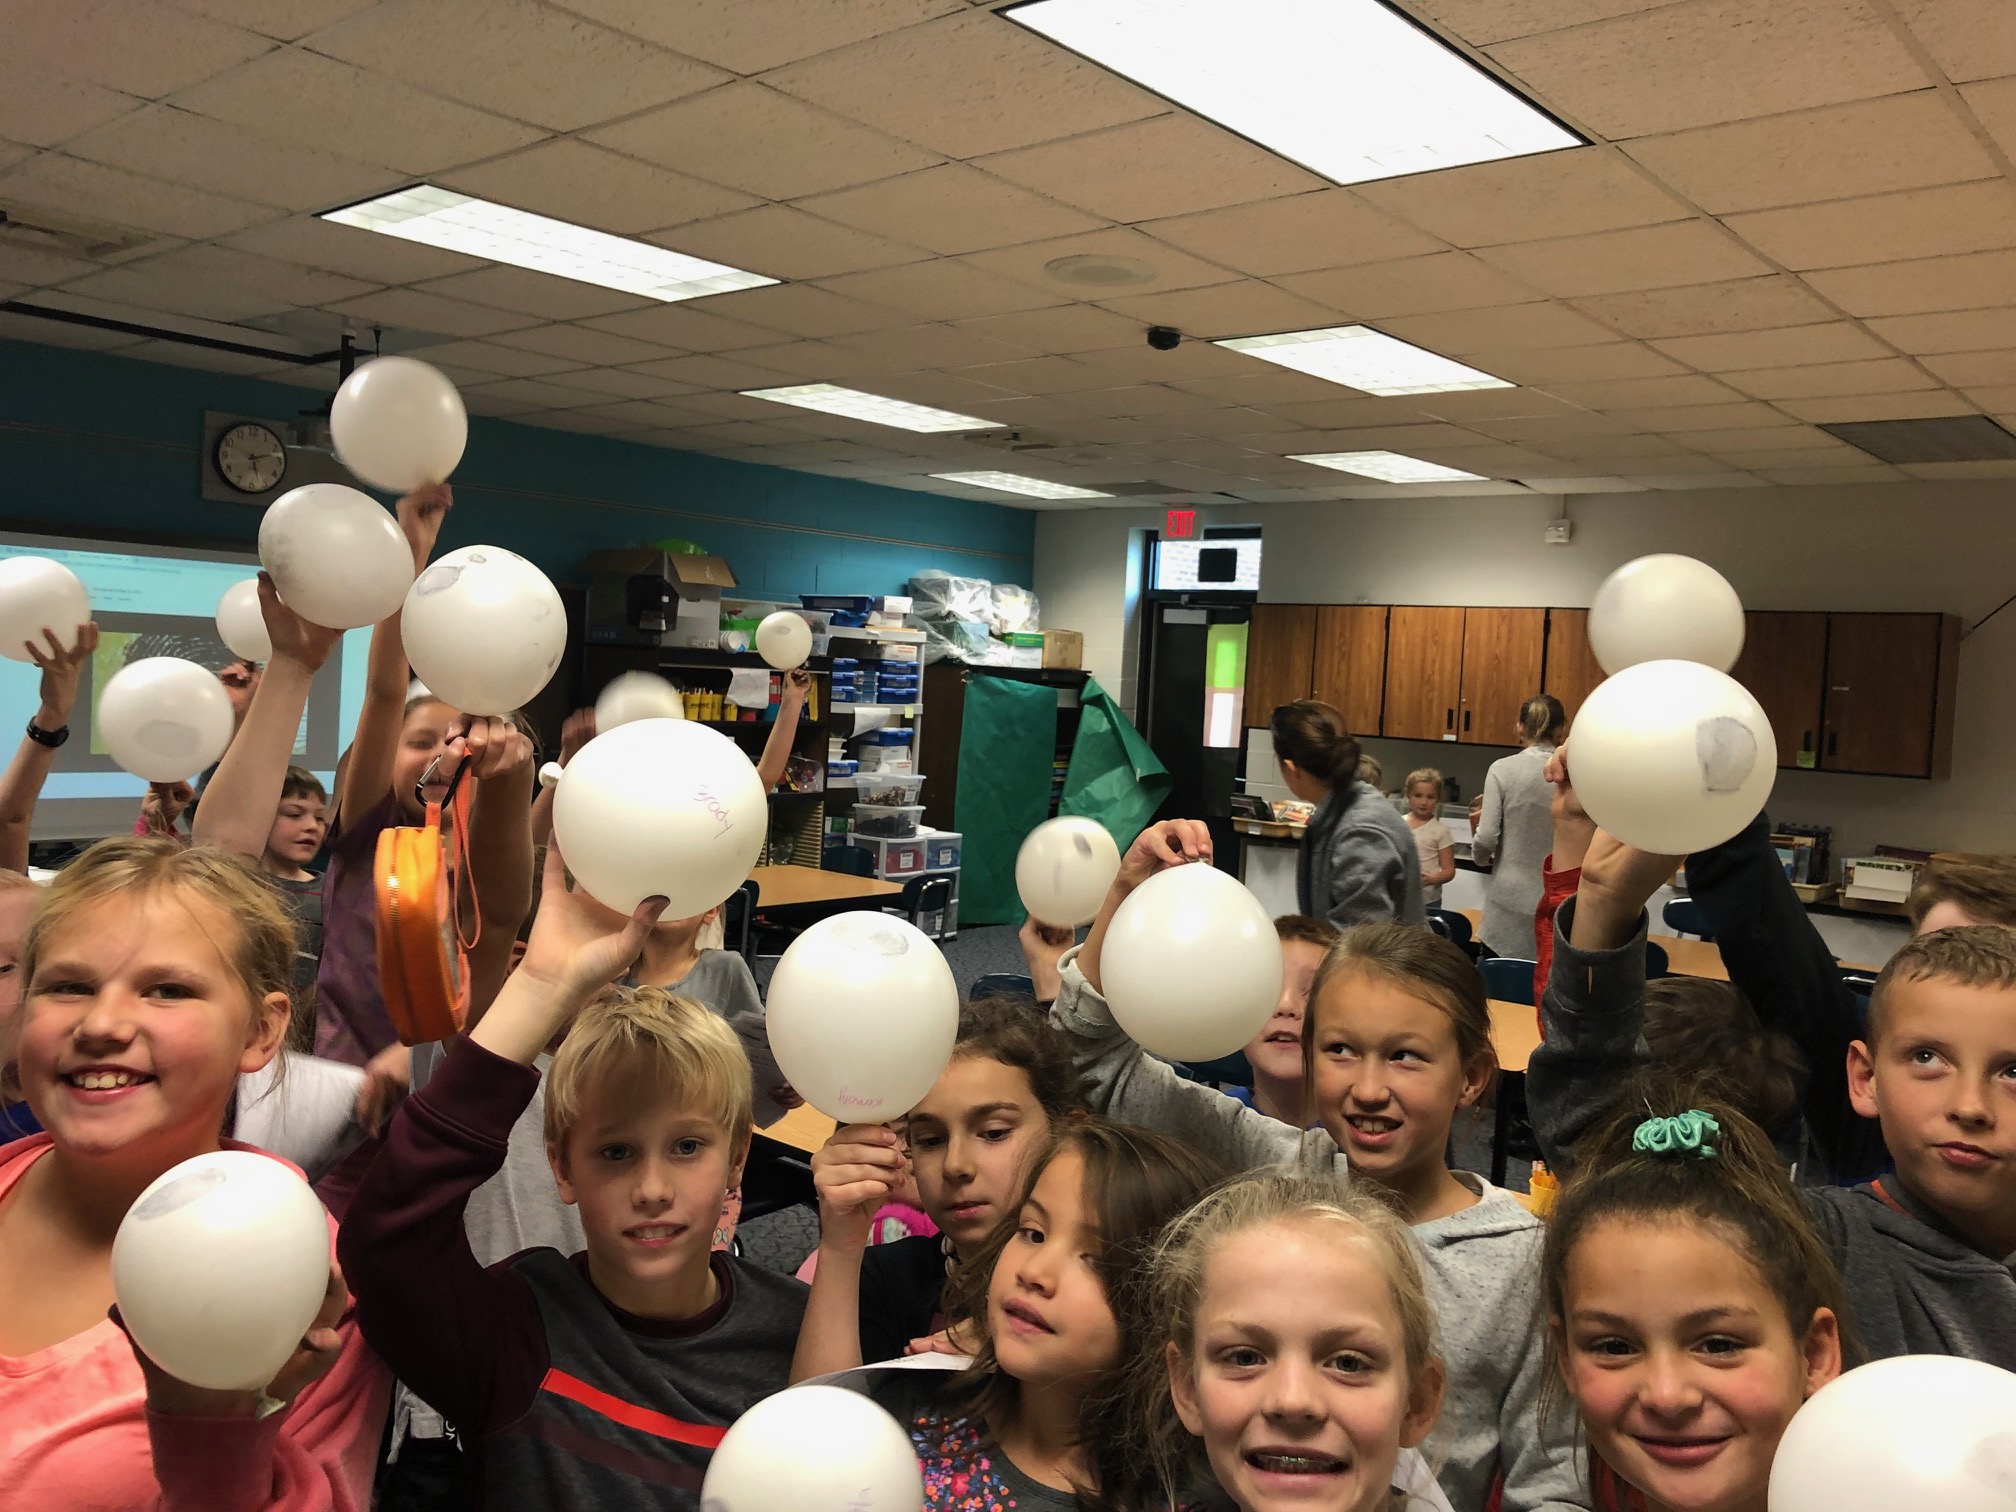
50,738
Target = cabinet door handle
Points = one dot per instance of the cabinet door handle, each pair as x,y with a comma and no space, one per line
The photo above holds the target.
1466,721
1449,720
1830,742
1806,741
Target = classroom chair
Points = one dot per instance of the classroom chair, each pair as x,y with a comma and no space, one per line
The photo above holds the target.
1226,1071
851,859
738,920
1685,917
1509,979
1859,984
1452,926
1001,984
928,894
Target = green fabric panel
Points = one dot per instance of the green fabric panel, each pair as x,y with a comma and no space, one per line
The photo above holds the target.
1007,756
1114,777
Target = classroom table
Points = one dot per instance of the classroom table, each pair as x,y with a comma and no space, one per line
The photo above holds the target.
1694,958
809,887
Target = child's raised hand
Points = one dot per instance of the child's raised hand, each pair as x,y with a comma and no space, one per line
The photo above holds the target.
61,672
1173,842
495,747
854,1173
576,732
1043,946
573,950
292,636
420,515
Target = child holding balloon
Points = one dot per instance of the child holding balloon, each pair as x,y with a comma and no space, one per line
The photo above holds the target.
1397,1042
156,975
62,671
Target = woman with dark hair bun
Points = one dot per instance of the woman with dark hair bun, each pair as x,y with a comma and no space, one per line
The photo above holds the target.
1357,864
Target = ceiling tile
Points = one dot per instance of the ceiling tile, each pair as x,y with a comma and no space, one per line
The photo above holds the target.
1061,329
748,36
177,354
788,243
639,413
574,420
175,285
1167,165
531,293
142,47
1737,414
1970,39
685,325
1717,60
1921,285
1552,194
1596,485
302,97
950,209
1137,362
1615,359
628,385
539,391
1787,347
43,108
1642,393
1329,228
499,361
1411,286
1763,438
1925,404
965,85
768,143
496,405
710,372
1508,328
802,310
1958,331
1468,407
1622,450
1998,400
210,154
579,344
1672,482
316,243
1036,375
419,310
1975,369
1888,375
1550,433
1994,105
1267,386
945,289
1613,262
1884,228
572,181
1246,308
30,265
928,346
286,20
1903,141
820,361
92,191
1935,471
517,58
1129,400
1706,309
1840,455
1115,262
1861,473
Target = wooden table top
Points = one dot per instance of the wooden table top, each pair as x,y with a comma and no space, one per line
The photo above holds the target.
784,886
1695,958
803,1128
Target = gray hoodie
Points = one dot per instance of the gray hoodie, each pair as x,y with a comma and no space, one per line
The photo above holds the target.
1914,1286
1482,1266
1358,864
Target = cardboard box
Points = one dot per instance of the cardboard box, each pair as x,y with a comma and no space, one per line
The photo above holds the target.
656,597
1064,648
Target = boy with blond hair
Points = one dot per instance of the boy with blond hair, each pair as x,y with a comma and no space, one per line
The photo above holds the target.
607,1378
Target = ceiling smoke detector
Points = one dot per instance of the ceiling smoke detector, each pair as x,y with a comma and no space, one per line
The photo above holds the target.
1091,271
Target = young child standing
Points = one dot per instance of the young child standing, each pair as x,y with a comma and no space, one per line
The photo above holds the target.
1432,839
1275,1054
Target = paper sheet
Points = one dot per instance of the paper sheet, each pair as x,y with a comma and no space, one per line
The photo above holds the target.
749,688
867,716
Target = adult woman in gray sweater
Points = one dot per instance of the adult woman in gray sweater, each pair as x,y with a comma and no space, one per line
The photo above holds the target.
1357,864
1512,828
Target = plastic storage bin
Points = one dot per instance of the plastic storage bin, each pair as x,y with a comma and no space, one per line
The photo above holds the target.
942,848
898,789
893,858
886,822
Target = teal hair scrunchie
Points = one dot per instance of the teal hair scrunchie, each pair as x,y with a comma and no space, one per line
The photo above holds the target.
1692,1133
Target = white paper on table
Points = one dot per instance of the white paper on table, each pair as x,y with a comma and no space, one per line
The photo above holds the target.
749,688
1460,831
868,717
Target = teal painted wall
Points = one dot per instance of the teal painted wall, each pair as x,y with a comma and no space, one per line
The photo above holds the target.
100,445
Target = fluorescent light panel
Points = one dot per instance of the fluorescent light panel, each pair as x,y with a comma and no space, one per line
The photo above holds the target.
1346,87
442,218
1016,483
1361,358
1389,467
832,399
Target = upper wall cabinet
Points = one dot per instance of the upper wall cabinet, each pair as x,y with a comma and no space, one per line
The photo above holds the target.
1889,702
1350,667
1424,673
1784,665
1572,672
1280,648
1502,653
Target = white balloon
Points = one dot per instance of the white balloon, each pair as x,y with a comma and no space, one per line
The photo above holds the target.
337,556
1191,965
398,423
1672,756
242,624
631,696
660,807
1064,869
220,1266
784,640
814,1449
484,629
1665,608
862,1015
37,594
164,719
1910,1431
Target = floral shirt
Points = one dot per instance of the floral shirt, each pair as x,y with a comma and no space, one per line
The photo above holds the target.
963,1470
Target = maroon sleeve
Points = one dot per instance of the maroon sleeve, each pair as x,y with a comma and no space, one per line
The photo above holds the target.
469,1341
1555,887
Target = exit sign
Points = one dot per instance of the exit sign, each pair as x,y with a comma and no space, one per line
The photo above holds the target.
1180,526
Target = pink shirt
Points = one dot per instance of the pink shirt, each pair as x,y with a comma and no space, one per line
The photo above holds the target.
76,1436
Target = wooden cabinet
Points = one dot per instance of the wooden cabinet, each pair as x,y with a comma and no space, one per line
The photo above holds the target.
1572,671
1350,663
1889,701
1784,665
1502,652
1424,672
1280,649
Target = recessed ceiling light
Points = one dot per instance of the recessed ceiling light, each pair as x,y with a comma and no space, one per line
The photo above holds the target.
1096,271
1015,483
1350,88
1390,467
1361,358
855,405
442,218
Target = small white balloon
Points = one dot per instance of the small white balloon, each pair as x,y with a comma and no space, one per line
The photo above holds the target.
1911,1431
784,640
484,629
37,594
862,1015
814,1449
1191,965
242,624
336,556
1672,756
1665,608
631,696
164,719
1064,868
660,807
398,423
220,1266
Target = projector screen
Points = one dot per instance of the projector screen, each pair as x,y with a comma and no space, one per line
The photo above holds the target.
153,601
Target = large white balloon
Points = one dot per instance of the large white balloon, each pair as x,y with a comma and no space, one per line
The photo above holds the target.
337,556
242,623
1672,756
220,1267
164,719
484,629
1665,608
37,594
1064,869
631,696
862,1015
814,1449
660,807
784,640
1191,965
1912,1431
398,423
